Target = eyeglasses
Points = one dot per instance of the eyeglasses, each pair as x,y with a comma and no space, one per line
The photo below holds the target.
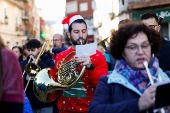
134,48
152,26
16,46
56,40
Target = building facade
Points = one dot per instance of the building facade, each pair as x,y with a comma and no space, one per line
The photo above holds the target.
11,22
85,9
107,14
19,21
159,7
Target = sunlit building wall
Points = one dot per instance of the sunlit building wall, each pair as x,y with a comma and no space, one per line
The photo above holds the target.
107,14
11,22
31,20
36,22
85,9
49,35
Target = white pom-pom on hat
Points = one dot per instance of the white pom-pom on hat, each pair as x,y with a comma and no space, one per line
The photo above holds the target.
70,19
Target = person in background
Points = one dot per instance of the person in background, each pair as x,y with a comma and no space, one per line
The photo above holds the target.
68,44
58,45
77,98
100,48
34,47
127,89
25,52
19,52
11,82
123,22
163,55
110,60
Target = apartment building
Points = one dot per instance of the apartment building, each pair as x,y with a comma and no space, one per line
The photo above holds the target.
11,22
31,20
85,9
19,21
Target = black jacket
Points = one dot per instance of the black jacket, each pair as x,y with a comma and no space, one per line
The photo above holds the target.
44,62
164,55
112,62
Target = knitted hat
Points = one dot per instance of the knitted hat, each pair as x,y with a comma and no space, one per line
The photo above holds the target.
70,19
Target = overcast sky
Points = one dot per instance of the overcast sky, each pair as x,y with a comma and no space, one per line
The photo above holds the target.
53,10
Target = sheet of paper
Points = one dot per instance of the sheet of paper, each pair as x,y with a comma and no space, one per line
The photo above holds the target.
88,49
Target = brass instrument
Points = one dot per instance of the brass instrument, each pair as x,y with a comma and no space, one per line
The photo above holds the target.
51,49
46,43
32,69
30,59
69,73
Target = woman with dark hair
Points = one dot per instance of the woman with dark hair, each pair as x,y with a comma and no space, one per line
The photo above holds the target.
127,89
11,82
19,52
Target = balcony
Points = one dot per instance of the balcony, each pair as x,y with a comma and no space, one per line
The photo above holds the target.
19,30
25,15
148,3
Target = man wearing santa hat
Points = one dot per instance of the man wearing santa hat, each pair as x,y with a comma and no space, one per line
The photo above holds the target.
77,98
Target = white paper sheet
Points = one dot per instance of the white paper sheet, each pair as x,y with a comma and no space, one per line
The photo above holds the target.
88,49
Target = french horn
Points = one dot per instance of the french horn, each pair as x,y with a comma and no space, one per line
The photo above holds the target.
46,87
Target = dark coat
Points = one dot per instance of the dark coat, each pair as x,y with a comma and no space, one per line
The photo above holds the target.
110,60
164,55
105,99
56,51
45,62
114,93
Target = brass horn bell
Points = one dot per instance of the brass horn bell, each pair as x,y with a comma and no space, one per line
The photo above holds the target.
32,69
69,73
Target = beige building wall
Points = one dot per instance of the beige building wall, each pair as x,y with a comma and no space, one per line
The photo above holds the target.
36,25
11,33
49,35
106,17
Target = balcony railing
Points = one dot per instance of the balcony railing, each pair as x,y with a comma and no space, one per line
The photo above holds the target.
25,15
18,28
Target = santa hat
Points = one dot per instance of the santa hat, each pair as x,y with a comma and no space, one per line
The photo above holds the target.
70,19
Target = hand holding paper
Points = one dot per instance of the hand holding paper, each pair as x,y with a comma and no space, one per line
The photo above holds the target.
83,53
88,49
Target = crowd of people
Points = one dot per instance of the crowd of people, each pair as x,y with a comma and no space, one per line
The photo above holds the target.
114,80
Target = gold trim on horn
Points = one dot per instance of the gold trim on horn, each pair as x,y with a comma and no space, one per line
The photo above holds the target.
68,76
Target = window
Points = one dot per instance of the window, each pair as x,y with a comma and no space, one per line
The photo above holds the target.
8,44
17,43
123,2
93,5
71,7
84,6
5,10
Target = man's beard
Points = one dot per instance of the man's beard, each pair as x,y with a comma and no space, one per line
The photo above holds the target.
77,42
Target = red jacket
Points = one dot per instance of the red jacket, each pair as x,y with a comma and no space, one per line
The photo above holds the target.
78,98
